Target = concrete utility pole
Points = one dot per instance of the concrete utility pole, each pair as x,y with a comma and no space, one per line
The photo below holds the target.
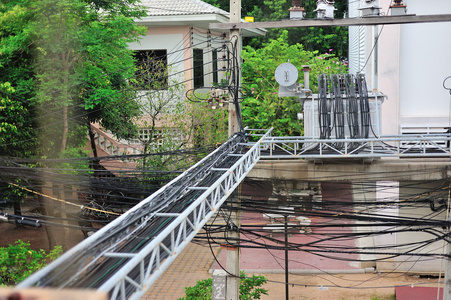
447,283
235,17
233,252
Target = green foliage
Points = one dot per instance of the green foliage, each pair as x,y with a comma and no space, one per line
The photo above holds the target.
15,129
74,165
18,261
250,288
16,83
82,66
261,106
201,291
169,121
189,125
68,62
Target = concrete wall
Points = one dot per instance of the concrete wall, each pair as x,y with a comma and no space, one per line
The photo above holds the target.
402,242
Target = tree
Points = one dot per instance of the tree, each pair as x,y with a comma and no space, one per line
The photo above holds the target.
261,106
169,122
82,68
160,97
17,110
17,119
64,64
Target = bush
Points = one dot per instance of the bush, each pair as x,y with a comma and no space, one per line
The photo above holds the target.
250,288
18,261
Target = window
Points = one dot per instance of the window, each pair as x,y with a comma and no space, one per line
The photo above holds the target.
152,69
198,68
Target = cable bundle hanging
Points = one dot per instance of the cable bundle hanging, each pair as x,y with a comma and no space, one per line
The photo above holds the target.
324,107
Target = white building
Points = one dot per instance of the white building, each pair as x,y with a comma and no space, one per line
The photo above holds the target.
408,63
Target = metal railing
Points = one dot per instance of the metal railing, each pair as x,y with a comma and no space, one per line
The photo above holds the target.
430,145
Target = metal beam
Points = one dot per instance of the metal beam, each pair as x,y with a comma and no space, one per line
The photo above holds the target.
399,146
332,170
381,20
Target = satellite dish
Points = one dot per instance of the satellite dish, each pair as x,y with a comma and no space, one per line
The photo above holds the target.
286,74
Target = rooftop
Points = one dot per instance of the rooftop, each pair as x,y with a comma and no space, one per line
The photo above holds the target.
180,7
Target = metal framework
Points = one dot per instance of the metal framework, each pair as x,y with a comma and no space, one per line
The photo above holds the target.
127,256
135,271
428,145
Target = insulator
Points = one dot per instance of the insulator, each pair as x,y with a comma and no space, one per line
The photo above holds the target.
3,218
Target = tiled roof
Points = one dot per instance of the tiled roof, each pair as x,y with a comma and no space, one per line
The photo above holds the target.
180,7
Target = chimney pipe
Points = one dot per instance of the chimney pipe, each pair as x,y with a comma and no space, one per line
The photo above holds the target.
398,8
296,12
306,69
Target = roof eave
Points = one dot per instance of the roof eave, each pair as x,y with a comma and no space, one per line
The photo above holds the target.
198,20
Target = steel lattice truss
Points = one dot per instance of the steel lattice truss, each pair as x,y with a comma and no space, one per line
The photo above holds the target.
126,257
427,145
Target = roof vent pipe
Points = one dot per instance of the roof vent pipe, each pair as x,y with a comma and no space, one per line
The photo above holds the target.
398,8
306,69
296,11
369,8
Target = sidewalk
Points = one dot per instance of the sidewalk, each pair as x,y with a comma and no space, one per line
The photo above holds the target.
189,267
194,263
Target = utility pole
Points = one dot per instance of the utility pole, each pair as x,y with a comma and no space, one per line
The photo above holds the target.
233,252
447,283
235,35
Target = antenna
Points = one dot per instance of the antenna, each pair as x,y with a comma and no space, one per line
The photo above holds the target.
286,74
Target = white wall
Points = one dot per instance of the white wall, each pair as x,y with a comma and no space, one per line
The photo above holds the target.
413,60
425,63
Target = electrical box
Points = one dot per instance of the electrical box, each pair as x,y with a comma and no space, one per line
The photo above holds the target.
312,119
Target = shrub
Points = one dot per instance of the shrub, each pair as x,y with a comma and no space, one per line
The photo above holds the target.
18,261
250,288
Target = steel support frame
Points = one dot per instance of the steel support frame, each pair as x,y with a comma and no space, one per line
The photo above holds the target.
180,231
201,210
129,222
430,145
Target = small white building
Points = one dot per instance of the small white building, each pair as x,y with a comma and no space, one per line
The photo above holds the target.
409,64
